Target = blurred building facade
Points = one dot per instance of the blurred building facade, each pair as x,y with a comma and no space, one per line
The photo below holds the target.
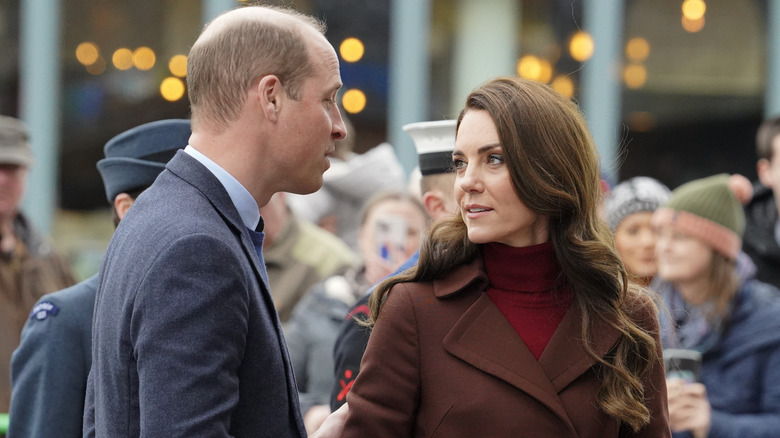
680,95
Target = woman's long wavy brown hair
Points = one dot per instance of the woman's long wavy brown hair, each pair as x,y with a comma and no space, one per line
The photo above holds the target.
554,168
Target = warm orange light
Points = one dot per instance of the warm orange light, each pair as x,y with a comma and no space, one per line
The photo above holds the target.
178,65
581,46
87,53
172,89
529,67
144,58
353,101
694,9
564,85
637,49
97,67
123,59
693,26
351,49
635,76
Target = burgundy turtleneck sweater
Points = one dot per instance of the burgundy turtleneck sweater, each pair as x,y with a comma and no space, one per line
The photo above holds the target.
527,287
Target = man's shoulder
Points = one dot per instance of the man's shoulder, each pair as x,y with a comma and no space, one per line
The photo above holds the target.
74,302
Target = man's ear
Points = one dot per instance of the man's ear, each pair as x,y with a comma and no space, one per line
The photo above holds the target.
434,203
270,93
122,203
764,169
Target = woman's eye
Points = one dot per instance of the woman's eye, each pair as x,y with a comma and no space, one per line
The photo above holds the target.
495,159
458,164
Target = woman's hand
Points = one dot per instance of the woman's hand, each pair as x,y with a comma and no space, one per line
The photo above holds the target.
689,408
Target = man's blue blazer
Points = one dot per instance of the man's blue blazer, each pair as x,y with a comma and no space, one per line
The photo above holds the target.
186,340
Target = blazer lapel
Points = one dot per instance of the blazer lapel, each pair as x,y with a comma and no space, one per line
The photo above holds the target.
484,338
191,170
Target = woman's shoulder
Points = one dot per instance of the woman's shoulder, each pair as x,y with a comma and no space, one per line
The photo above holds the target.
642,306
466,277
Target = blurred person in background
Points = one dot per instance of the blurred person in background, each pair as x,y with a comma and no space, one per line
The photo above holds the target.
518,319
49,369
351,180
298,254
716,308
762,228
29,265
629,209
391,225
434,142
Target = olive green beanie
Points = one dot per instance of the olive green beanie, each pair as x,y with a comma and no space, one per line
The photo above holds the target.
708,209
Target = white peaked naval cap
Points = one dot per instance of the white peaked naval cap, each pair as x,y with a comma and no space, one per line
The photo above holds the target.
434,142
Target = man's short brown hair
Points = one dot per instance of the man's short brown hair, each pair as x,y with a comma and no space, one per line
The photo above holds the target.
224,64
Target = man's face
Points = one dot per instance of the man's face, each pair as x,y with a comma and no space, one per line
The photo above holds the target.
313,123
12,179
769,170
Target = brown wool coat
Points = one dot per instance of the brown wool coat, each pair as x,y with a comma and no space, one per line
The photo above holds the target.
442,361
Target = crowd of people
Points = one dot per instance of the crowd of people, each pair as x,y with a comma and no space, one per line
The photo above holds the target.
264,280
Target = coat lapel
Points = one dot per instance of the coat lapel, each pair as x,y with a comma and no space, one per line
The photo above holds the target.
483,338
564,359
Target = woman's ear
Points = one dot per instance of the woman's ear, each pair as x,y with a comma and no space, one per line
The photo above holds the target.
122,203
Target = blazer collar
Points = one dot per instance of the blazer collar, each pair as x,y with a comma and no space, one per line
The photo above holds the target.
484,338
192,171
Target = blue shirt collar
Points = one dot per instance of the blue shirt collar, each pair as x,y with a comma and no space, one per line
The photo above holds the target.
242,199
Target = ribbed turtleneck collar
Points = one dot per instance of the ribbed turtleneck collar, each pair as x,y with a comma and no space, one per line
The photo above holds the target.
525,269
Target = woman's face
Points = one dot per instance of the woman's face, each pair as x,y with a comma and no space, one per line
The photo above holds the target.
683,260
635,240
486,198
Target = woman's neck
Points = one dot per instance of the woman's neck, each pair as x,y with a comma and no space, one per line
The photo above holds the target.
694,291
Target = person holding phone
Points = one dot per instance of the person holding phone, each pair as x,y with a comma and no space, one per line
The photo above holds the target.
518,320
716,308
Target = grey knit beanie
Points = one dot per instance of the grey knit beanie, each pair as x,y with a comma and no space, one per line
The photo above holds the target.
637,194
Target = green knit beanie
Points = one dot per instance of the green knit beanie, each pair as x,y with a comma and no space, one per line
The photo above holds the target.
711,199
710,210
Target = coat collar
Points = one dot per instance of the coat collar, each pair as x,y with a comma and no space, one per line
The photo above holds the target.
484,338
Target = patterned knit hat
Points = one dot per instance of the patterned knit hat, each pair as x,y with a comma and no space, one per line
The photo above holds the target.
635,195
710,209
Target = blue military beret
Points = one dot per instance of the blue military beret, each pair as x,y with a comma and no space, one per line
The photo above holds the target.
135,157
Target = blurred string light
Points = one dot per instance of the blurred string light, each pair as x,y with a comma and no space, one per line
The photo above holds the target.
581,46
144,58
352,49
87,53
178,65
122,59
693,15
534,68
564,85
637,49
97,67
353,101
693,26
694,9
172,89
635,76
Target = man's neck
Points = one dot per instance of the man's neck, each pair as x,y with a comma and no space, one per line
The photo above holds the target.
7,234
